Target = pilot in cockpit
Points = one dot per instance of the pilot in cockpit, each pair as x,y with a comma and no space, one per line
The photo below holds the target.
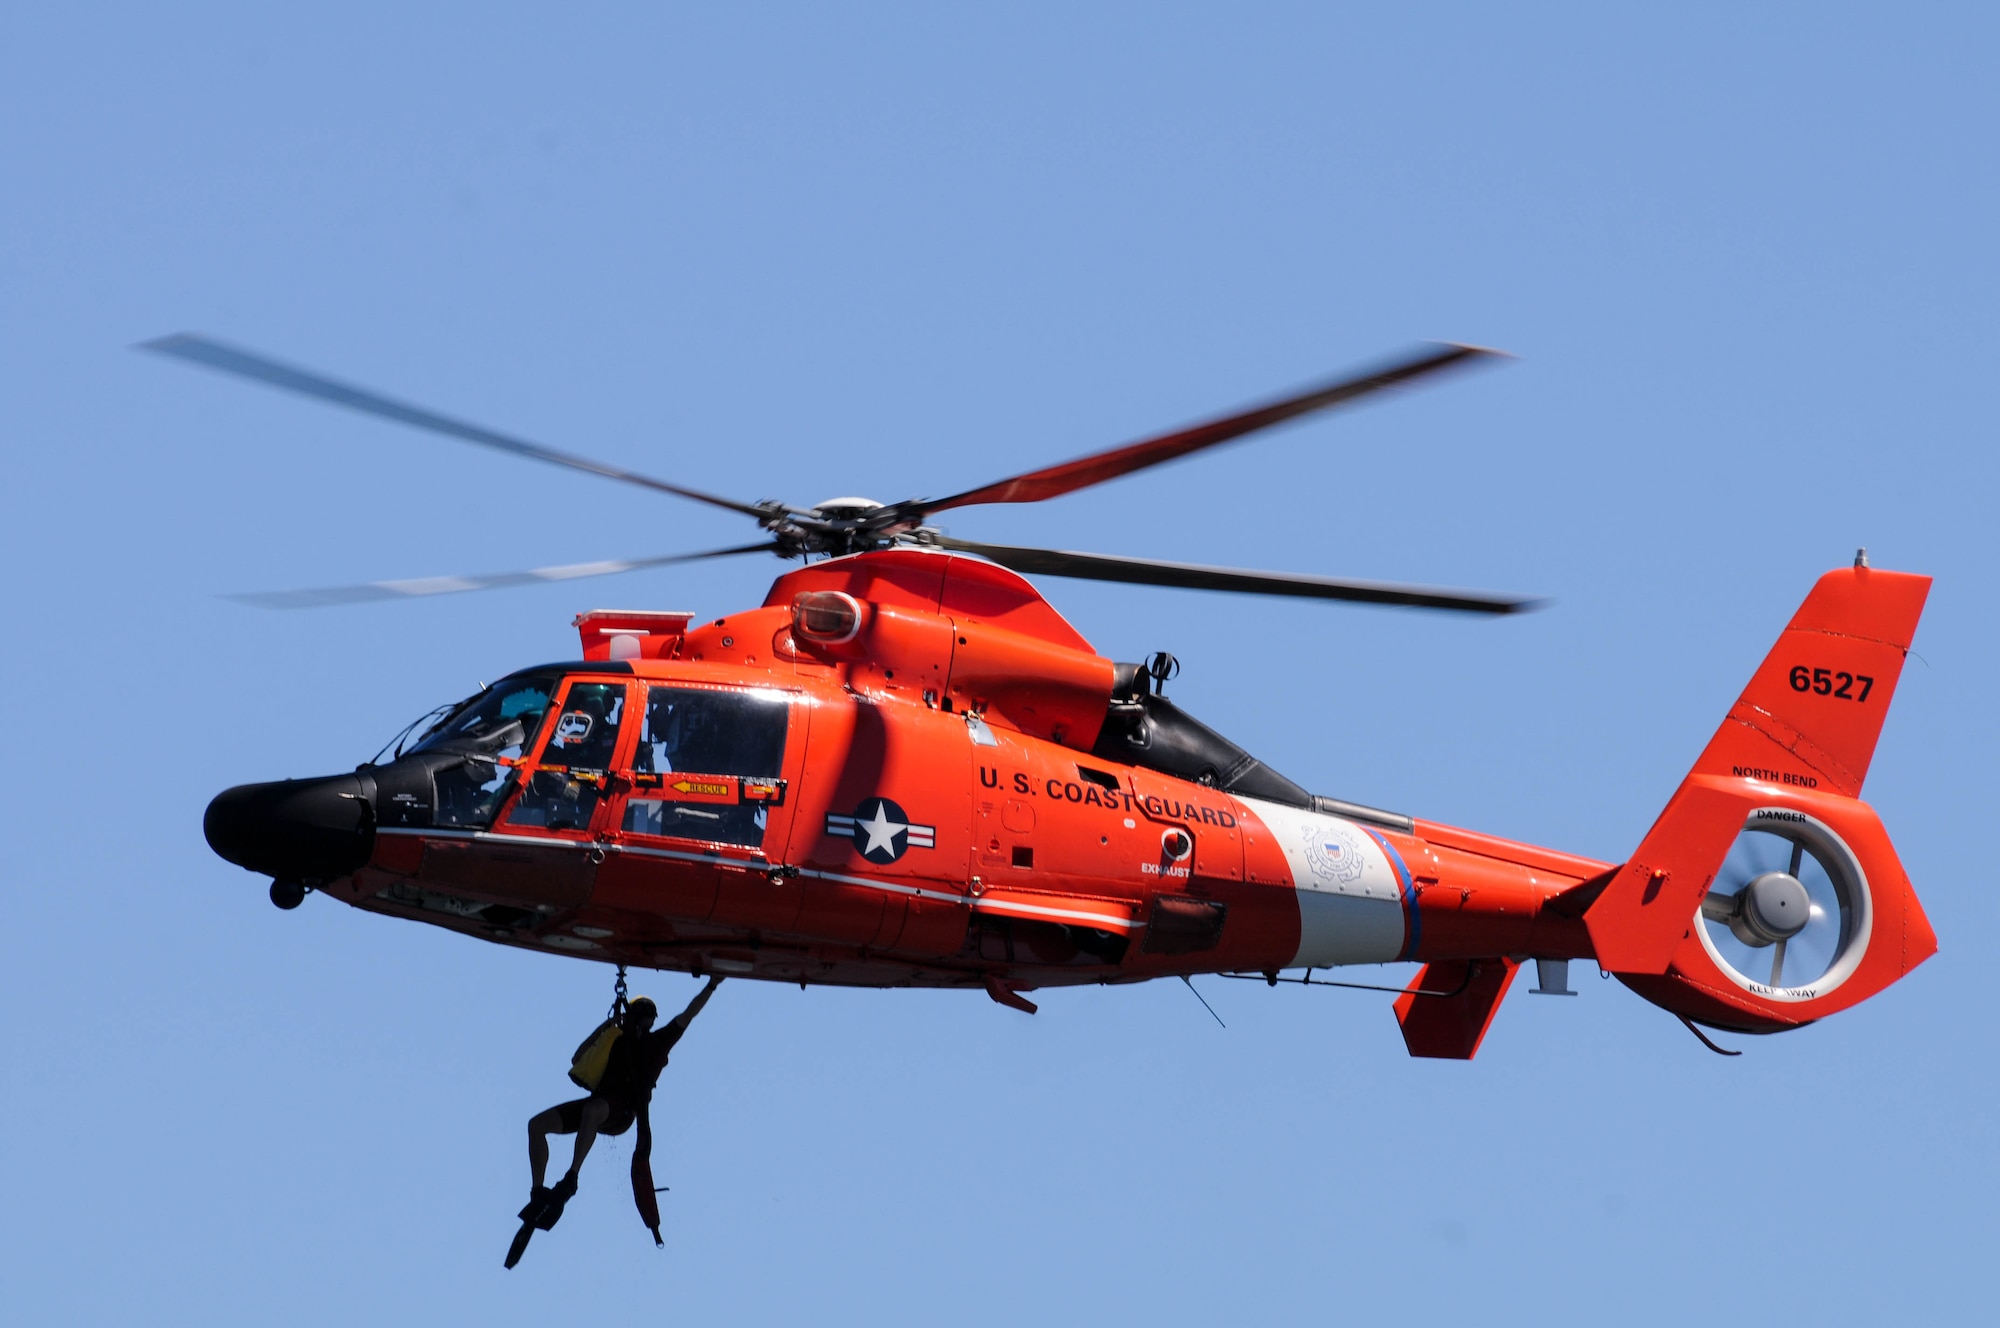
587,730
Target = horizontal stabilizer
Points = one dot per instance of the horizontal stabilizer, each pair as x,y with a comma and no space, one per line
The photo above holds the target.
1451,1026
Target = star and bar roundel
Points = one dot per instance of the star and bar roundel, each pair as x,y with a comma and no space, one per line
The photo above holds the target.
881,831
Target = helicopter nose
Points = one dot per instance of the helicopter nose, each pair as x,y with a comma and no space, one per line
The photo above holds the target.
308,830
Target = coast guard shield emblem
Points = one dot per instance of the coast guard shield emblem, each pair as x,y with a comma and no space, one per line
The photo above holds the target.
1334,853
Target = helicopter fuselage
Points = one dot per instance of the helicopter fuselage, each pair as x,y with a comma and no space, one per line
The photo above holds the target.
906,794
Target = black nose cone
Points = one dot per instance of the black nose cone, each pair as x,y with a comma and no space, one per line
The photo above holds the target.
296,829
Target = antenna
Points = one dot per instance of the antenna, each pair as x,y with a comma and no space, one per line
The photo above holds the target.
1204,1002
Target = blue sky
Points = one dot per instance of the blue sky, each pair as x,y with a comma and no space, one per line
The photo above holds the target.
1745,257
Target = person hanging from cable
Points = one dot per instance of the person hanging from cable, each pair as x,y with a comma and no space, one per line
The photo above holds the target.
620,1063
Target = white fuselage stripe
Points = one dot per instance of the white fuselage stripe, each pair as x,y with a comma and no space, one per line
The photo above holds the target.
1349,894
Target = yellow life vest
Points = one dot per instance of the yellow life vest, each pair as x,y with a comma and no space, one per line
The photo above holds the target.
593,1055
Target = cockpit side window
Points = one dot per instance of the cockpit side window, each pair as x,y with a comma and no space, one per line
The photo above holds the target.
707,765
570,775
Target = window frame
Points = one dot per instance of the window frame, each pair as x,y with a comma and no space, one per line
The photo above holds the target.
609,782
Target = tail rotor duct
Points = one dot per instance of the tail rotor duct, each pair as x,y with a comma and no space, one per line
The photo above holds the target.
1788,909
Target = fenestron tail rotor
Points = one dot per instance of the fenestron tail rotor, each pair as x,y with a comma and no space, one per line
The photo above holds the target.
858,525
1784,907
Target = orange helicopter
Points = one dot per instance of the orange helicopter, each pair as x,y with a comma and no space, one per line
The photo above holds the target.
905,769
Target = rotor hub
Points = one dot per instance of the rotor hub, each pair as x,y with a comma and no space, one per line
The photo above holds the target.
1774,907
845,509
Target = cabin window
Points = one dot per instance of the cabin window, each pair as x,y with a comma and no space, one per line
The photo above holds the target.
708,765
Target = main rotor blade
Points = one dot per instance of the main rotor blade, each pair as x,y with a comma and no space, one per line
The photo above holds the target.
1148,572
246,364
1054,481
329,596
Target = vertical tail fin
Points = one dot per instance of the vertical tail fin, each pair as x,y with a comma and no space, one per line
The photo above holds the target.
1783,774
1813,712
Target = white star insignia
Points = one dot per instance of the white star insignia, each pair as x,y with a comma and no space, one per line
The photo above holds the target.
882,831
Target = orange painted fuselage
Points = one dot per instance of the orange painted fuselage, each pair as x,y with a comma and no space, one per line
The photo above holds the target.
954,727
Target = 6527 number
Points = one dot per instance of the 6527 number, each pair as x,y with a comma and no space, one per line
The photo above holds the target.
1831,682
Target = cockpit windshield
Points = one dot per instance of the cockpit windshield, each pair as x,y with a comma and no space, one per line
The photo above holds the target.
492,732
500,721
